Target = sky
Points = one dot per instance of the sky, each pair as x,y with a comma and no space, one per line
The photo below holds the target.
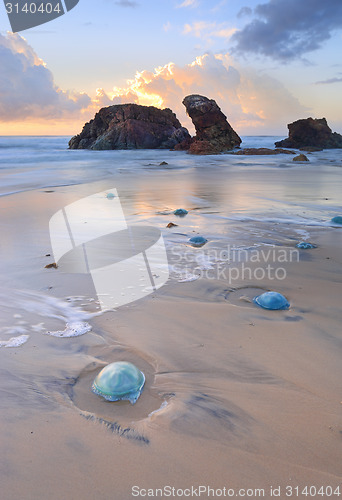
265,62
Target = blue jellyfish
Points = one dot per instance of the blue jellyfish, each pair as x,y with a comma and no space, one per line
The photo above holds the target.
271,300
110,196
305,245
181,212
337,219
119,380
197,241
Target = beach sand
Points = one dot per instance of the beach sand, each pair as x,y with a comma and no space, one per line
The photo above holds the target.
235,397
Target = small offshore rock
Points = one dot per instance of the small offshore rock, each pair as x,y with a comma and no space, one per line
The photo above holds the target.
300,157
311,149
263,151
163,163
204,147
50,266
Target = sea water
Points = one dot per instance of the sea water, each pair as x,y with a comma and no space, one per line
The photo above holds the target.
281,206
28,162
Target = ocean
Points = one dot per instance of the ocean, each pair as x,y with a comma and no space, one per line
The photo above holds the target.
28,163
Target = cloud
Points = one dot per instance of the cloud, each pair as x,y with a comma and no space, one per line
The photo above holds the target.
27,88
188,3
167,26
208,30
250,101
127,3
219,6
288,29
330,80
245,11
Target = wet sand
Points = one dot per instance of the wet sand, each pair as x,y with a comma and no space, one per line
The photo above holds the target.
235,396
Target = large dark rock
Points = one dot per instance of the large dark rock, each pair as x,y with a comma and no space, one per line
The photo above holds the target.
213,132
131,126
309,133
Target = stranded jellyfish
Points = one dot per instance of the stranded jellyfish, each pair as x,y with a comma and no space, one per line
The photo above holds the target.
181,212
120,380
197,241
337,219
305,245
271,300
110,196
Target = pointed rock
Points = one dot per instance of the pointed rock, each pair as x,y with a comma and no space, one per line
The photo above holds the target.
213,132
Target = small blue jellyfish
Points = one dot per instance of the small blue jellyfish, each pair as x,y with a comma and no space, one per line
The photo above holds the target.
110,196
271,300
337,219
197,241
118,381
181,212
305,245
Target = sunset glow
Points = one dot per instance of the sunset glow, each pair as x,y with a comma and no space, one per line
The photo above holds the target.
189,47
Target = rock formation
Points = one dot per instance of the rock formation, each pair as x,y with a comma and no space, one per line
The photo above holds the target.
263,151
300,158
131,126
213,132
309,133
